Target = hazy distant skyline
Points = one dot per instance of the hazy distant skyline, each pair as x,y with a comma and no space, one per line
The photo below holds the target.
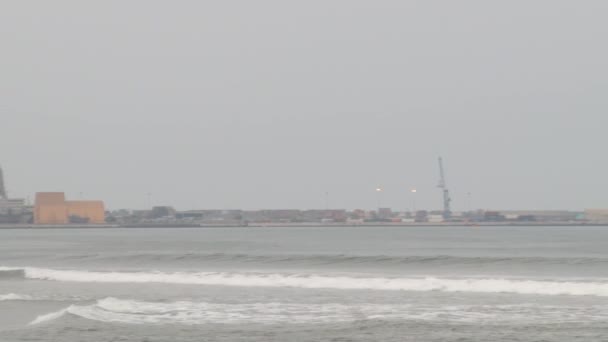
272,104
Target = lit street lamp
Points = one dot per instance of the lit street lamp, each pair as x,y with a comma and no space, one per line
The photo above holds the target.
379,194
414,191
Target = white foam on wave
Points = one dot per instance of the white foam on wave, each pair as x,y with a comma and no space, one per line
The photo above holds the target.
5,268
112,310
14,296
50,316
480,285
26,297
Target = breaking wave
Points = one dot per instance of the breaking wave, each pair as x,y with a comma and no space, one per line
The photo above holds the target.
311,281
112,310
14,296
47,297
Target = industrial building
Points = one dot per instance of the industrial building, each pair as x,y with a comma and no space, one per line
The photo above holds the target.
12,210
596,215
52,208
86,212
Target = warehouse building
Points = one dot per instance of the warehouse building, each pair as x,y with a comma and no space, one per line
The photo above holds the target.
52,208
596,215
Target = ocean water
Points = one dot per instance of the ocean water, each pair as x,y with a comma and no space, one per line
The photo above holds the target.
305,284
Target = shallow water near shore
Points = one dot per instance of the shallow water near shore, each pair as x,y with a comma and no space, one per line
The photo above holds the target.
305,284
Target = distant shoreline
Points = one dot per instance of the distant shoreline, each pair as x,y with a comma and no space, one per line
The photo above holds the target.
308,225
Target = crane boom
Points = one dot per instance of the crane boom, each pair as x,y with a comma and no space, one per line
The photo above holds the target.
446,193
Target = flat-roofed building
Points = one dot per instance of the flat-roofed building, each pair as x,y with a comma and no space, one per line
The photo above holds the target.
541,215
86,211
596,215
50,208
12,205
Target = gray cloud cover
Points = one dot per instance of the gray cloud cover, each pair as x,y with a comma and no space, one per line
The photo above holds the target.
271,104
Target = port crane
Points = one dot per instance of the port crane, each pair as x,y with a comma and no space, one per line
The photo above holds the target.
446,193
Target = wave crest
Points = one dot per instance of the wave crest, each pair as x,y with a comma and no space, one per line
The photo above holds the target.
14,296
112,310
312,281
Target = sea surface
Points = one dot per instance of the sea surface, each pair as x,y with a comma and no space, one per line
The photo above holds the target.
305,284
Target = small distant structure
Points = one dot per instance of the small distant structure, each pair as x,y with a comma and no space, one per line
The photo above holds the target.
385,213
12,210
52,208
493,216
162,212
596,215
447,212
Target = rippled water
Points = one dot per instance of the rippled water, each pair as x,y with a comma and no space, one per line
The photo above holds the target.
305,284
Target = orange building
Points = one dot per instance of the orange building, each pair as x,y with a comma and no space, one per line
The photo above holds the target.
52,208
91,211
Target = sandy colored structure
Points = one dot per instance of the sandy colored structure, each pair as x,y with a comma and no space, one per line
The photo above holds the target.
93,211
52,208
596,215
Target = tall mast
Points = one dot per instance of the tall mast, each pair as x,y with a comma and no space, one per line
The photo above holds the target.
446,193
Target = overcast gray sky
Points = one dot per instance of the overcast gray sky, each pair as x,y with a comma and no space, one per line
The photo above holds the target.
271,104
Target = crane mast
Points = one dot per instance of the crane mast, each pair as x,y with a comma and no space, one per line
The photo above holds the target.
446,193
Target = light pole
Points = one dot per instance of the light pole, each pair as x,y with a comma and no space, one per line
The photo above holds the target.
414,191
379,195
